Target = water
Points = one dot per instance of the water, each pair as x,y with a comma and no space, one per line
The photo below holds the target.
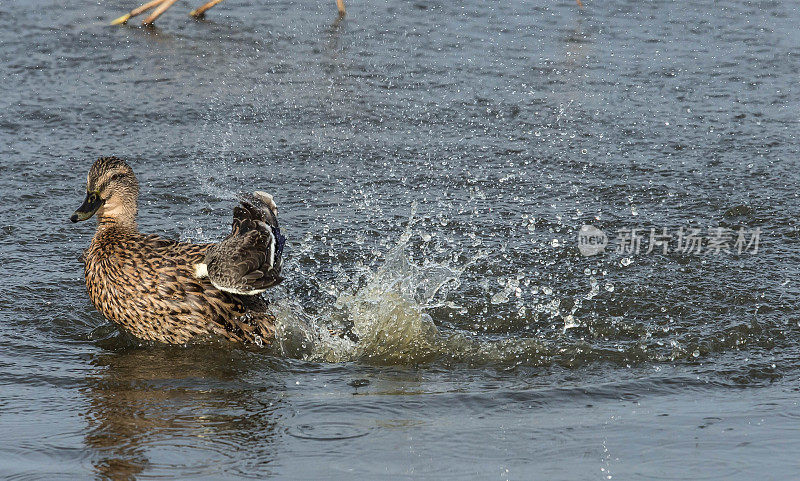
433,164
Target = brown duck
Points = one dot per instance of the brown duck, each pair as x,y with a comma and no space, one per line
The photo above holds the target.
175,292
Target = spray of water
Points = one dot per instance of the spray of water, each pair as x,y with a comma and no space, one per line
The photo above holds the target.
389,315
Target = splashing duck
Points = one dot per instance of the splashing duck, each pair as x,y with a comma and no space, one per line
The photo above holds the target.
175,292
161,6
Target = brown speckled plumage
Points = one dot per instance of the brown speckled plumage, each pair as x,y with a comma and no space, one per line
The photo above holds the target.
150,287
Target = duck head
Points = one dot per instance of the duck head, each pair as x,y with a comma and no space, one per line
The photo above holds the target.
112,192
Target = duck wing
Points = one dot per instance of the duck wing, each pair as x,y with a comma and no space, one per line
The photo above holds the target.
248,261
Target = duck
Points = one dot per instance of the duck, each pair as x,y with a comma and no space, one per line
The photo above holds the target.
174,292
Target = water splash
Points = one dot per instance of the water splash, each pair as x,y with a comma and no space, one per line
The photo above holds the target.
387,313
389,308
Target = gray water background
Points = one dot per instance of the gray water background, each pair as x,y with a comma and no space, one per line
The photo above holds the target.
433,162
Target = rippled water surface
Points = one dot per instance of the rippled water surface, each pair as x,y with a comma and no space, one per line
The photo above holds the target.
433,163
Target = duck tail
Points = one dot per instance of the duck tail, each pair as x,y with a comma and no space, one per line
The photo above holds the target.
267,213
249,260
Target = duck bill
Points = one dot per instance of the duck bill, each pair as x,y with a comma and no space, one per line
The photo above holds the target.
88,208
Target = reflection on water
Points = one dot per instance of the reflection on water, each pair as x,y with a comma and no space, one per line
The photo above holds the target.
153,409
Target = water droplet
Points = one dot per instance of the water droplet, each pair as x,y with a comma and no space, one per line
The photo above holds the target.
500,298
